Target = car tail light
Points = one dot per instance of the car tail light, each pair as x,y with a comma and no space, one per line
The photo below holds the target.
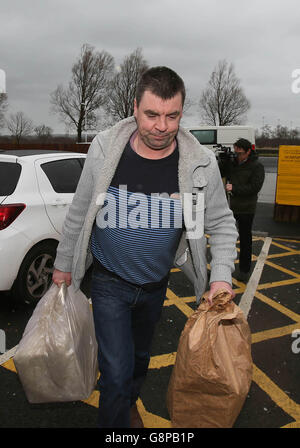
8,213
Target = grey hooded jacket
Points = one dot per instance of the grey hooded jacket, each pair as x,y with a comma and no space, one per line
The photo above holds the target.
198,175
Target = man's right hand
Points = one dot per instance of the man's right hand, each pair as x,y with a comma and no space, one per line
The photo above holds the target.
59,277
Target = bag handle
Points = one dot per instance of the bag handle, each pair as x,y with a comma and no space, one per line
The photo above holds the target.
220,301
62,291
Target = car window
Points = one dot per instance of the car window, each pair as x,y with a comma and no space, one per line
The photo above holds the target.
9,176
205,137
63,174
81,161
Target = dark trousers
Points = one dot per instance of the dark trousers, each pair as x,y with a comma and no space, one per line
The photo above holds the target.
244,223
125,317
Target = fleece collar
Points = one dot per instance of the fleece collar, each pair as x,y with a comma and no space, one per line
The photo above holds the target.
114,140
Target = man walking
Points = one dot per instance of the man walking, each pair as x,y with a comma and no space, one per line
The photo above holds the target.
147,195
245,177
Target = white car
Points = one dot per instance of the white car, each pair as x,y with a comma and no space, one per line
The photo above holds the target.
36,190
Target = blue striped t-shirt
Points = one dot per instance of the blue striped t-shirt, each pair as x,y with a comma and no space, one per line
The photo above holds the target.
136,232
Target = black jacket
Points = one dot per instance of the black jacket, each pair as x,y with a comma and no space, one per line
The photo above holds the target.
247,180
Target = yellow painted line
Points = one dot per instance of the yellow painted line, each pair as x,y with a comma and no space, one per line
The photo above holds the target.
241,286
93,399
292,425
282,246
276,394
290,281
168,302
8,354
282,309
166,360
280,268
9,365
288,241
151,420
183,307
273,333
188,299
284,254
239,290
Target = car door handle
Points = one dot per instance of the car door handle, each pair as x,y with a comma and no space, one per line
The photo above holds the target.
58,202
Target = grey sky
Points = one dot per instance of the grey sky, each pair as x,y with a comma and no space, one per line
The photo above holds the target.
40,41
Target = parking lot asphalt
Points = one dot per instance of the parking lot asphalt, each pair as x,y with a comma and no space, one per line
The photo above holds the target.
271,302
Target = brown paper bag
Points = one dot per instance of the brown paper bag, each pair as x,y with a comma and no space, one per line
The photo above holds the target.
213,369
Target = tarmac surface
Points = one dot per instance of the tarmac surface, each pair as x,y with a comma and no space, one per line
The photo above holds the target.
271,302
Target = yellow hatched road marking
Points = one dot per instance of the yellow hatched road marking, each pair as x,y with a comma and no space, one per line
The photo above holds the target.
290,281
282,309
273,333
93,399
292,425
284,254
264,382
151,420
280,268
283,246
156,362
188,299
277,395
10,365
287,241
181,305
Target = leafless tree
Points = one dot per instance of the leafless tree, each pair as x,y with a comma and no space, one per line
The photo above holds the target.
43,132
19,126
3,107
223,102
123,86
87,90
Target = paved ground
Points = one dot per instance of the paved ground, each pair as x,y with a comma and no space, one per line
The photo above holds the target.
273,312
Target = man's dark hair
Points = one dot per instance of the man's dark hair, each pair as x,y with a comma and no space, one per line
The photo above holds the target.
162,82
243,144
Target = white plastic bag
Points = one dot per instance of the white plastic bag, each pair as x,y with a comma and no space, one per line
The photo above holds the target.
56,359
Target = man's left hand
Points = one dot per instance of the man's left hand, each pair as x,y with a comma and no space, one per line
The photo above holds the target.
214,286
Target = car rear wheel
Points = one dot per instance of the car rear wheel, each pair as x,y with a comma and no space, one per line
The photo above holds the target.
35,274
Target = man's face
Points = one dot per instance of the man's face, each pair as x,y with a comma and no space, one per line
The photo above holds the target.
158,119
241,154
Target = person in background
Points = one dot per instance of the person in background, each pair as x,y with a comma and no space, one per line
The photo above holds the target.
244,176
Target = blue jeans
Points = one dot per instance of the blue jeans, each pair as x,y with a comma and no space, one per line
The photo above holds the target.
125,317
